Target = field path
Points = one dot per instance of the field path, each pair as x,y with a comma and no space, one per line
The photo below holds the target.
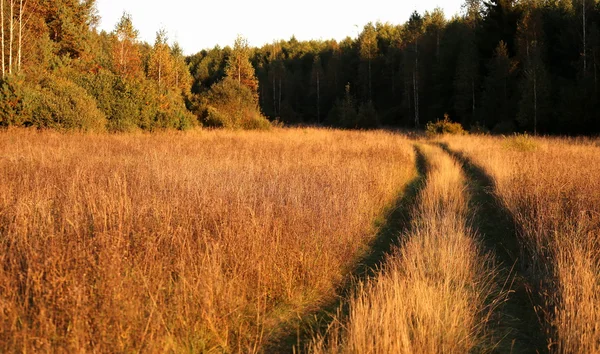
498,231
396,223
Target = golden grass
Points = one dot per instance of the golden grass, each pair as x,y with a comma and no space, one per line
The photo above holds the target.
552,187
199,242
436,293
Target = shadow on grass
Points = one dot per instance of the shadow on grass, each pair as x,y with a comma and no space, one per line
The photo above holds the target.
393,226
499,234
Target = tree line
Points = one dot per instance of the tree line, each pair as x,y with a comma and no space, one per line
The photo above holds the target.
501,66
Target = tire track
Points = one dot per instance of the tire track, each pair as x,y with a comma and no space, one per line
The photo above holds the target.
499,234
396,223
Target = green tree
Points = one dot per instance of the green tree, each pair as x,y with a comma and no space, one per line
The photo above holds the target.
160,65
182,79
368,50
239,67
534,84
497,105
412,33
316,79
126,55
467,75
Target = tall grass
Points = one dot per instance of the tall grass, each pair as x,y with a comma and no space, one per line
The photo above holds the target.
552,187
436,293
205,241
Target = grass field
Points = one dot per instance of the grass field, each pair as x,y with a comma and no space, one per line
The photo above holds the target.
206,241
229,242
436,292
552,188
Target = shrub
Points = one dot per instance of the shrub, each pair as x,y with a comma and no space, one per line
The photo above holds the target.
445,126
505,127
478,128
344,112
134,103
13,104
61,104
367,116
520,142
231,105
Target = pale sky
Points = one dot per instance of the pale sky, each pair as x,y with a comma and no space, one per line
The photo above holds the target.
198,25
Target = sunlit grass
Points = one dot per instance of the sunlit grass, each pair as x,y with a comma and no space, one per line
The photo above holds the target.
552,186
204,241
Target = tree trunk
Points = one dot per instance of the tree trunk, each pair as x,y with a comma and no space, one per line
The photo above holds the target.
274,96
416,83
239,70
19,51
535,102
472,99
370,82
160,73
279,107
393,82
318,99
584,39
11,39
2,34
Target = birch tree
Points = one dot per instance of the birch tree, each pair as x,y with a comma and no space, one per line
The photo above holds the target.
14,25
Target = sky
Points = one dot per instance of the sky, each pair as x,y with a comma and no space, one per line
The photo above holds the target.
198,25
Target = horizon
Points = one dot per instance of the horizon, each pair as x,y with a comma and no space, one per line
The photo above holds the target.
334,20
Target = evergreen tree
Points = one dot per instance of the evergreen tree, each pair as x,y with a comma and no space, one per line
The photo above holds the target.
534,82
497,103
316,81
412,32
368,49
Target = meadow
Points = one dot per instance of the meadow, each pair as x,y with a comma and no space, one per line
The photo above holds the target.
228,241
209,241
552,188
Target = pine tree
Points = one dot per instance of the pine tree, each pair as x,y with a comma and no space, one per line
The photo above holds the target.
535,83
316,81
496,100
466,80
368,50
413,32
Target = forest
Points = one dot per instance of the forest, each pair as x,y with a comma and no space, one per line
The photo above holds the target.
500,66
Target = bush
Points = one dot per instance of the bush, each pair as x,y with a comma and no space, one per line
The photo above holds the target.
231,105
477,128
61,104
520,142
13,104
445,126
367,116
505,127
134,103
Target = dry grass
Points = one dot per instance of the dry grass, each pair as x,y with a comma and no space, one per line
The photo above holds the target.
552,187
436,293
198,242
